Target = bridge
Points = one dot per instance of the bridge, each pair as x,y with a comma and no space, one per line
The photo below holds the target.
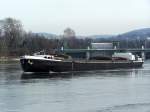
100,50
87,52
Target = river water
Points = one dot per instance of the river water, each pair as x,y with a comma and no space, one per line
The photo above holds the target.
121,90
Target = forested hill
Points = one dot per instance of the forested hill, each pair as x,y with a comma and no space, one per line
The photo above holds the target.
136,34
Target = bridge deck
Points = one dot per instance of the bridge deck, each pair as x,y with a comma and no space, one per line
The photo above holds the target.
106,50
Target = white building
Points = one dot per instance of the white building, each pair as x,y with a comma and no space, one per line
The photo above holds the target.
69,33
101,46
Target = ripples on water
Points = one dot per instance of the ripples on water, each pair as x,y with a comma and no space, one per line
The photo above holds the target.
139,107
121,90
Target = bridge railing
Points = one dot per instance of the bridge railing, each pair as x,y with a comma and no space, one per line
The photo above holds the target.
107,50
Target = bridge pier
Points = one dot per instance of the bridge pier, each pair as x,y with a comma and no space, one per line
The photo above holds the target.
143,53
88,53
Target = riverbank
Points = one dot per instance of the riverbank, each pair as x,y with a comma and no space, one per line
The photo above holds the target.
9,59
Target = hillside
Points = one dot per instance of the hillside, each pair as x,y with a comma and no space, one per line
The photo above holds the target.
136,34
47,35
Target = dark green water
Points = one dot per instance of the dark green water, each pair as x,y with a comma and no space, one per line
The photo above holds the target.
122,90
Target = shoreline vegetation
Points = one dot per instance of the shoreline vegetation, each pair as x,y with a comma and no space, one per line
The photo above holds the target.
15,41
9,59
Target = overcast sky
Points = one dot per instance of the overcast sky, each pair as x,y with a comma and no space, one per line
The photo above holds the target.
86,17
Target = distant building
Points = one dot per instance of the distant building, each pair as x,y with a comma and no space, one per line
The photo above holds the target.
101,46
69,33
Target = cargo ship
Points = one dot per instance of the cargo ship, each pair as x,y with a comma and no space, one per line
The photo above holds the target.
57,63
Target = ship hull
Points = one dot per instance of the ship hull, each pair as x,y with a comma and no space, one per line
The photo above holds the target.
37,65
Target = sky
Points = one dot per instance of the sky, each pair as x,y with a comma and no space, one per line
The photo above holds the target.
85,17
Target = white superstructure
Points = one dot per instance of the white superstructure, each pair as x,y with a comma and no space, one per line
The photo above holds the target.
41,57
128,56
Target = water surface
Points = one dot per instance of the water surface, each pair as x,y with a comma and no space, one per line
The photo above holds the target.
121,90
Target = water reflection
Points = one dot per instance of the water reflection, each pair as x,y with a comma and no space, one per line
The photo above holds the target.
45,75
104,73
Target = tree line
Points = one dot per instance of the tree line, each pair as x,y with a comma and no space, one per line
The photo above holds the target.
15,41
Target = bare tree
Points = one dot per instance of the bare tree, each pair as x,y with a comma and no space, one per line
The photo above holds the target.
12,32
